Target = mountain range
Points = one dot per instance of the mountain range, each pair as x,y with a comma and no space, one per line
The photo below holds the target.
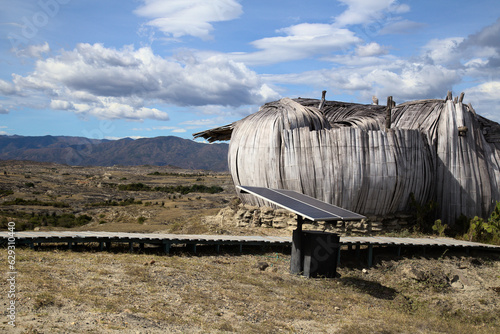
81,151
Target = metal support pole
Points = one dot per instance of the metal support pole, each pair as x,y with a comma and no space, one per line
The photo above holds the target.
297,258
370,255
130,247
166,248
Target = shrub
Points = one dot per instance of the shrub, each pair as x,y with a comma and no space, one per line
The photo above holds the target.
439,227
485,231
423,215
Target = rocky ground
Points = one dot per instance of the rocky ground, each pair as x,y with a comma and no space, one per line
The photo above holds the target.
84,290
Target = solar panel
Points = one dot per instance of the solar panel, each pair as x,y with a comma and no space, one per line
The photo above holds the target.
303,205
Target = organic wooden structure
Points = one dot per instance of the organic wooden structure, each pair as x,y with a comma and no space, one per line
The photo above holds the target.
370,158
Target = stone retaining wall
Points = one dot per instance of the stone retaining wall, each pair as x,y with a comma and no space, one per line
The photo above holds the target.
265,217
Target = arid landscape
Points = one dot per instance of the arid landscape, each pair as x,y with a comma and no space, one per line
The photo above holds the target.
88,291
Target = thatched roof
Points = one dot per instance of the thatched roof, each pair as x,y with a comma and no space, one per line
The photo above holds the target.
369,158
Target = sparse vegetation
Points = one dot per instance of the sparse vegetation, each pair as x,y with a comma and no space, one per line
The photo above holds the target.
424,215
487,231
124,202
132,292
177,174
21,201
6,192
439,227
28,221
195,188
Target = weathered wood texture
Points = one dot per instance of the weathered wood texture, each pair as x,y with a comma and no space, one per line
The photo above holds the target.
347,155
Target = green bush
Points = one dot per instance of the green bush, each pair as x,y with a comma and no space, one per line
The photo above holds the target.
28,221
20,201
439,227
6,192
485,231
125,202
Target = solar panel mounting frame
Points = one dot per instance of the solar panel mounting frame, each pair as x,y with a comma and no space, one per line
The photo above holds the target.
305,206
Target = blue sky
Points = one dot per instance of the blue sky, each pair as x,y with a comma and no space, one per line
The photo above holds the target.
147,68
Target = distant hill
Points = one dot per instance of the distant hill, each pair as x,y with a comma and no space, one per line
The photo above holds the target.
80,151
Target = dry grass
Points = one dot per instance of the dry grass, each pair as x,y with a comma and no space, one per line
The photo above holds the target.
63,291
60,291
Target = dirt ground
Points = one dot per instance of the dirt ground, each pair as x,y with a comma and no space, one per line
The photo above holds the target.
85,291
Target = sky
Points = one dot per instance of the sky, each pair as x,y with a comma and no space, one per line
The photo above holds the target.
110,69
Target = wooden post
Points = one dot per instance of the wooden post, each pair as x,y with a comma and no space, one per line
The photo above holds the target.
323,99
449,96
388,113
461,98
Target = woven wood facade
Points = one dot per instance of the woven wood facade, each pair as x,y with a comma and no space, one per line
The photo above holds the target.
369,158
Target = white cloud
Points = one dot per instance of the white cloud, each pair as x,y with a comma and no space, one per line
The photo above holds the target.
403,80
163,128
3,110
34,51
6,88
366,11
177,18
484,99
120,83
300,41
61,105
371,49
443,51
414,81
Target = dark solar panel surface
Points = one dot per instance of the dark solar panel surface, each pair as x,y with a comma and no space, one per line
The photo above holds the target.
301,204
